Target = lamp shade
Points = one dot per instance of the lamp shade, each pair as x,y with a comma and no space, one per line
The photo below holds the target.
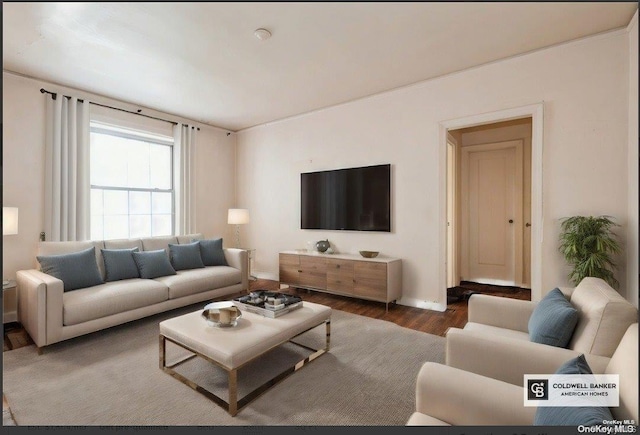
238,216
9,220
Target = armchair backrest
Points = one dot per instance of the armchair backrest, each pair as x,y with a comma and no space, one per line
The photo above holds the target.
603,317
624,363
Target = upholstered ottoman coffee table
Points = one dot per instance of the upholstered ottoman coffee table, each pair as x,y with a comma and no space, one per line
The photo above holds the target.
233,347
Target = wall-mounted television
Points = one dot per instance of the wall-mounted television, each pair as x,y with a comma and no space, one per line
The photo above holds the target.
356,199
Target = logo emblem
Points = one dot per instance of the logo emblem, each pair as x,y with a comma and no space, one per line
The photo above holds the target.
538,389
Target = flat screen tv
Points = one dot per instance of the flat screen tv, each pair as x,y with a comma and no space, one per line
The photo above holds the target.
356,199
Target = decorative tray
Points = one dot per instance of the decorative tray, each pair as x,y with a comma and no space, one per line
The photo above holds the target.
268,303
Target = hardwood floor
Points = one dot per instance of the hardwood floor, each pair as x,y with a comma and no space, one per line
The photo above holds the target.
429,321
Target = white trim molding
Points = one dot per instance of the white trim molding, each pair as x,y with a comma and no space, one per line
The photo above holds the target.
536,113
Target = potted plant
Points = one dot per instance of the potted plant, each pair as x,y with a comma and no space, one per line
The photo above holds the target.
588,245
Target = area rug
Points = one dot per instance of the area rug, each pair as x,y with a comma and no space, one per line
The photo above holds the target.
112,378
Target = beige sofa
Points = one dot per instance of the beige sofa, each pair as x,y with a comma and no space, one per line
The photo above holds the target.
495,340
50,314
450,396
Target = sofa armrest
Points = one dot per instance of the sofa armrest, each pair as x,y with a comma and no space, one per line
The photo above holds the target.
239,258
40,305
501,312
508,359
462,398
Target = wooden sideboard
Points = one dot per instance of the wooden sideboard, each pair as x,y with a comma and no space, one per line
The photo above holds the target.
377,279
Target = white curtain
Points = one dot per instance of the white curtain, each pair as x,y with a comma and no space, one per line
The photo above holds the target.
67,185
184,152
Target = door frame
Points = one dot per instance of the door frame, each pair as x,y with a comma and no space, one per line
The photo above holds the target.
518,238
536,113
452,213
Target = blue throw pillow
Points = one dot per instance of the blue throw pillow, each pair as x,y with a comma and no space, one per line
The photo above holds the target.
119,264
572,415
212,252
553,320
75,270
153,264
186,256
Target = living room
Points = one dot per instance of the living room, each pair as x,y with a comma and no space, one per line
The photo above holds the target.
580,89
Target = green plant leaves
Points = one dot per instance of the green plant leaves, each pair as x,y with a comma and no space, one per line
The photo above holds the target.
588,245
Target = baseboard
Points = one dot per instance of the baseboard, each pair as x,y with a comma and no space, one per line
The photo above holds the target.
419,303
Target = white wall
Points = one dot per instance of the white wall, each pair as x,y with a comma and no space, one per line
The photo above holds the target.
632,234
23,165
584,88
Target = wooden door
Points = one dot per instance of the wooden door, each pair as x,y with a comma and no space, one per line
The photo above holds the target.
492,213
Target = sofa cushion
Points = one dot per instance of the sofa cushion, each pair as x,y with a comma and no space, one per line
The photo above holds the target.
76,270
603,317
572,415
212,252
111,298
188,282
188,238
152,264
119,264
553,320
123,244
186,256
156,243
58,248
496,331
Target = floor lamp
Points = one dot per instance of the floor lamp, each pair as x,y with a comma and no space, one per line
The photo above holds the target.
9,226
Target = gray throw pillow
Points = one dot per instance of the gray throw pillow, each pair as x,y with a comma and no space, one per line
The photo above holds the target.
153,264
212,252
186,256
572,415
75,270
119,264
553,320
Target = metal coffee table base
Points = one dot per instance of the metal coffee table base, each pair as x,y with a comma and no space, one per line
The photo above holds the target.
234,405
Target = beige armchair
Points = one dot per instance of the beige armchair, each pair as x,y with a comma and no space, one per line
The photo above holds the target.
495,340
450,396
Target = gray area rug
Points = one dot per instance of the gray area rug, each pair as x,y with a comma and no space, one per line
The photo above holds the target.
112,378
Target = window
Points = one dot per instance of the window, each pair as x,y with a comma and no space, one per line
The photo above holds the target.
131,177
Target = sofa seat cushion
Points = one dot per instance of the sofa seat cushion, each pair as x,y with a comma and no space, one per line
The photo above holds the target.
496,331
419,419
111,298
189,282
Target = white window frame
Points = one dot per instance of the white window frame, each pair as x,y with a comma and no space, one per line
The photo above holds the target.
143,136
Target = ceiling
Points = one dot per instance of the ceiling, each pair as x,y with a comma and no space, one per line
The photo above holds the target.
201,61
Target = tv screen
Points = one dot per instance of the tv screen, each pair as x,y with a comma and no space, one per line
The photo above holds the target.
357,199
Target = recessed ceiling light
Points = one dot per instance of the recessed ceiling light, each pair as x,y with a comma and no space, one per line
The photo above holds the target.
262,34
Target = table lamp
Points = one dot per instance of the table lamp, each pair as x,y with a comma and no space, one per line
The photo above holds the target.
237,217
9,226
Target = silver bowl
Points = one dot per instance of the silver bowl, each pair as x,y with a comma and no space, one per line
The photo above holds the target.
369,254
221,314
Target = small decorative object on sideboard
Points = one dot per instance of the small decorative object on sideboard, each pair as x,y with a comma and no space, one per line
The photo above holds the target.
221,314
369,254
323,245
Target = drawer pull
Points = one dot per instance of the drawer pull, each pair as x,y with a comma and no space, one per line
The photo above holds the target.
337,266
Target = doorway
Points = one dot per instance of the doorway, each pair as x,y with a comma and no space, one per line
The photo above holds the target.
489,191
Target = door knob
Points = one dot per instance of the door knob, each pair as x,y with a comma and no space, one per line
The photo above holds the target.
510,221
527,224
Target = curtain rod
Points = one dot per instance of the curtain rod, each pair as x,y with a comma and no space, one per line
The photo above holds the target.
55,95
